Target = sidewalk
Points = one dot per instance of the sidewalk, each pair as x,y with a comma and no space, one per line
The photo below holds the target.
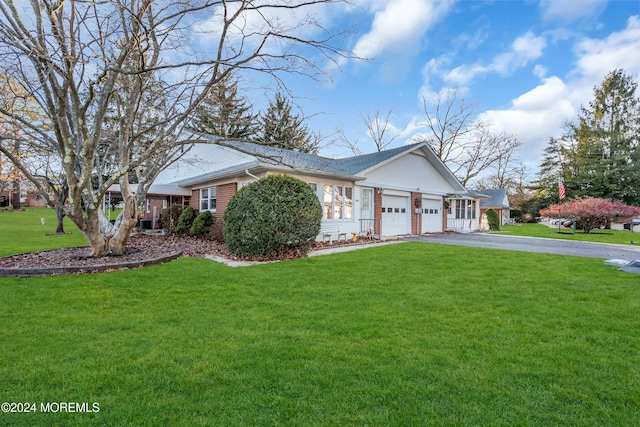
319,252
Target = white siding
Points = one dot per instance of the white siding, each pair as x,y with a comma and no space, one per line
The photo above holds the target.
202,158
411,172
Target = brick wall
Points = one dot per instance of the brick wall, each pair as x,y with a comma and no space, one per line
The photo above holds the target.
194,201
224,194
377,210
416,219
157,203
445,214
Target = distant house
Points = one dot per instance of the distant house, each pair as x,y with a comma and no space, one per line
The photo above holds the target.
401,191
498,200
28,198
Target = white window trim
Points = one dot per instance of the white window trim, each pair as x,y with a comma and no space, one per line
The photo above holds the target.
344,204
209,198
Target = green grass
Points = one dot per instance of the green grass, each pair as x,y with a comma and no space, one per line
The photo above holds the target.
23,231
622,237
400,335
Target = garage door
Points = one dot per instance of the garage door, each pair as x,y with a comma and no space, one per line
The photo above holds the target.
395,215
431,215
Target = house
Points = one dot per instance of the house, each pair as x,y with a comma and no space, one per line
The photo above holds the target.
401,191
29,198
498,200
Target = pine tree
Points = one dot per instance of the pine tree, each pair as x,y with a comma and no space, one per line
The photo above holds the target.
551,169
279,127
224,112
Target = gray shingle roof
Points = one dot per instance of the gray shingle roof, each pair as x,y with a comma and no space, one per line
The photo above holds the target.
222,158
496,198
311,162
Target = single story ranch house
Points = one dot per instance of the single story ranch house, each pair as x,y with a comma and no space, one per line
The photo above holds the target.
401,191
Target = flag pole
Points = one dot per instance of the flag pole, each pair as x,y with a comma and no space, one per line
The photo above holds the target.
561,194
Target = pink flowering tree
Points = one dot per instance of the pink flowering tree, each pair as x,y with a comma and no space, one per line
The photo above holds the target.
591,212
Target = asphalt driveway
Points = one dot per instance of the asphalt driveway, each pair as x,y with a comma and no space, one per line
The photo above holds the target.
534,244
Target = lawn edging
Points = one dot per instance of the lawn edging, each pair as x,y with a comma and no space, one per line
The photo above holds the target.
82,269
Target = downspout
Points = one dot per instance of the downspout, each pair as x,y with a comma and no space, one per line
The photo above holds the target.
250,174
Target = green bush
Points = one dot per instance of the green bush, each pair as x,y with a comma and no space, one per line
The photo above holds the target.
274,217
202,224
516,214
185,220
493,219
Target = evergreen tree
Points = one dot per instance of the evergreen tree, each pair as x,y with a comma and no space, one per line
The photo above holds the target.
223,112
279,127
604,158
551,169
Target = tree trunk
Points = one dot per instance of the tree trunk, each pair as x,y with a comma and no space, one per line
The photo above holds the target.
16,196
60,215
106,239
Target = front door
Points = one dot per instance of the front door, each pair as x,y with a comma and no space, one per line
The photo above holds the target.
366,210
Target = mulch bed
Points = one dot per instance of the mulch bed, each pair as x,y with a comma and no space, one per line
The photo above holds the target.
144,249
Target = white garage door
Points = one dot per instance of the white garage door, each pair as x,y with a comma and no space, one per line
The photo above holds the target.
395,215
431,216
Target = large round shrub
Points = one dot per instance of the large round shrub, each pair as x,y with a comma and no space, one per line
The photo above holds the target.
276,216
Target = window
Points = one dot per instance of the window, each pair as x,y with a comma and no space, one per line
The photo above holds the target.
148,205
337,202
164,203
348,202
328,202
208,198
465,209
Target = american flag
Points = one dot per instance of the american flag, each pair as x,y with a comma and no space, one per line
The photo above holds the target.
561,189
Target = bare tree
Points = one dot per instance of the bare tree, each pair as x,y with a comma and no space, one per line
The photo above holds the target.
467,146
379,130
117,83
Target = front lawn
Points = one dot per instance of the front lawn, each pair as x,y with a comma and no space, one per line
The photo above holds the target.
410,334
23,231
622,237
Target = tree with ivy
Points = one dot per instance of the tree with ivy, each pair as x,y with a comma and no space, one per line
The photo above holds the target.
604,143
280,127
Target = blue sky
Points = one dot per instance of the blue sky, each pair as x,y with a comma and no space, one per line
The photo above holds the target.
528,65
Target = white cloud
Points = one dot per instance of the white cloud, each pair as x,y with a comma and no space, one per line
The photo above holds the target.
535,116
249,28
599,57
568,11
399,24
523,50
540,113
